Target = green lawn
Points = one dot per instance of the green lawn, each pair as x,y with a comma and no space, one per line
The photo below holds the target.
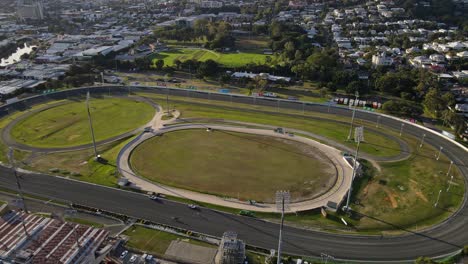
404,192
398,194
154,241
82,162
6,120
234,164
375,144
226,59
67,125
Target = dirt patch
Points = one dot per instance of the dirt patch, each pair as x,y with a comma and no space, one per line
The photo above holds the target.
414,186
72,137
421,195
391,198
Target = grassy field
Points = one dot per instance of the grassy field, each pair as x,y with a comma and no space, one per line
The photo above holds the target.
154,241
375,144
226,59
6,120
397,194
81,165
67,125
404,193
234,164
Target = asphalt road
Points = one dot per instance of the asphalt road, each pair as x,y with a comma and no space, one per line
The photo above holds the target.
443,239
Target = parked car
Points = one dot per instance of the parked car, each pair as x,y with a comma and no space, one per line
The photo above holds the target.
133,258
124,254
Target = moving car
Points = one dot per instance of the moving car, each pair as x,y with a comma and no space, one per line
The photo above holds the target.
247,213
192,206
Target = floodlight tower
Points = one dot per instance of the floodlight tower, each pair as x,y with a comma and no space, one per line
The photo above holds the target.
91,126
283,199
354,113
18,183
359,135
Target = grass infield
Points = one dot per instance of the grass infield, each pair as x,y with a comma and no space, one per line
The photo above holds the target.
236,165
67,125
226,59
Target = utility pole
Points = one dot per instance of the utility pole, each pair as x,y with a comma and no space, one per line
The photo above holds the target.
450,183
71,213
401,128
422,140
167,93
359,134
438,197
283,199
440,151
91,126
18,183
378,121
352,118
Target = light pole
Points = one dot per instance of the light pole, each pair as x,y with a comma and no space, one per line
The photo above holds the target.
440,151
358,135
422,140
71,213
450,183
450,166
167,93
325,257
91,126
438,197
401,128
18,183
352,118
378,121
283,199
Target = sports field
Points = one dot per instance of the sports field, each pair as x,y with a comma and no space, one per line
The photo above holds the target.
227,59
67,125
235,165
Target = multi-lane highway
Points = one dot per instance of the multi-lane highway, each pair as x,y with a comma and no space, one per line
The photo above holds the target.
440,240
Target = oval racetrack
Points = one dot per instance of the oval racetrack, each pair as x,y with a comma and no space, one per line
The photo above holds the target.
443,239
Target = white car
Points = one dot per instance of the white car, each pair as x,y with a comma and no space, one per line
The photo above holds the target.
124,254
192,206
133,258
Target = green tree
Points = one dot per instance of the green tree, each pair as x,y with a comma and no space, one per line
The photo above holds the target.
177,63
449,99
433,102
353,87
159,64
424,260
402,108
208,68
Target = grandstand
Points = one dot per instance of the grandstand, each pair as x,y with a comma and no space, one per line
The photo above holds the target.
28,238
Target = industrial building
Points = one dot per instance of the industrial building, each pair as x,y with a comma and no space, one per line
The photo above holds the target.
30,9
